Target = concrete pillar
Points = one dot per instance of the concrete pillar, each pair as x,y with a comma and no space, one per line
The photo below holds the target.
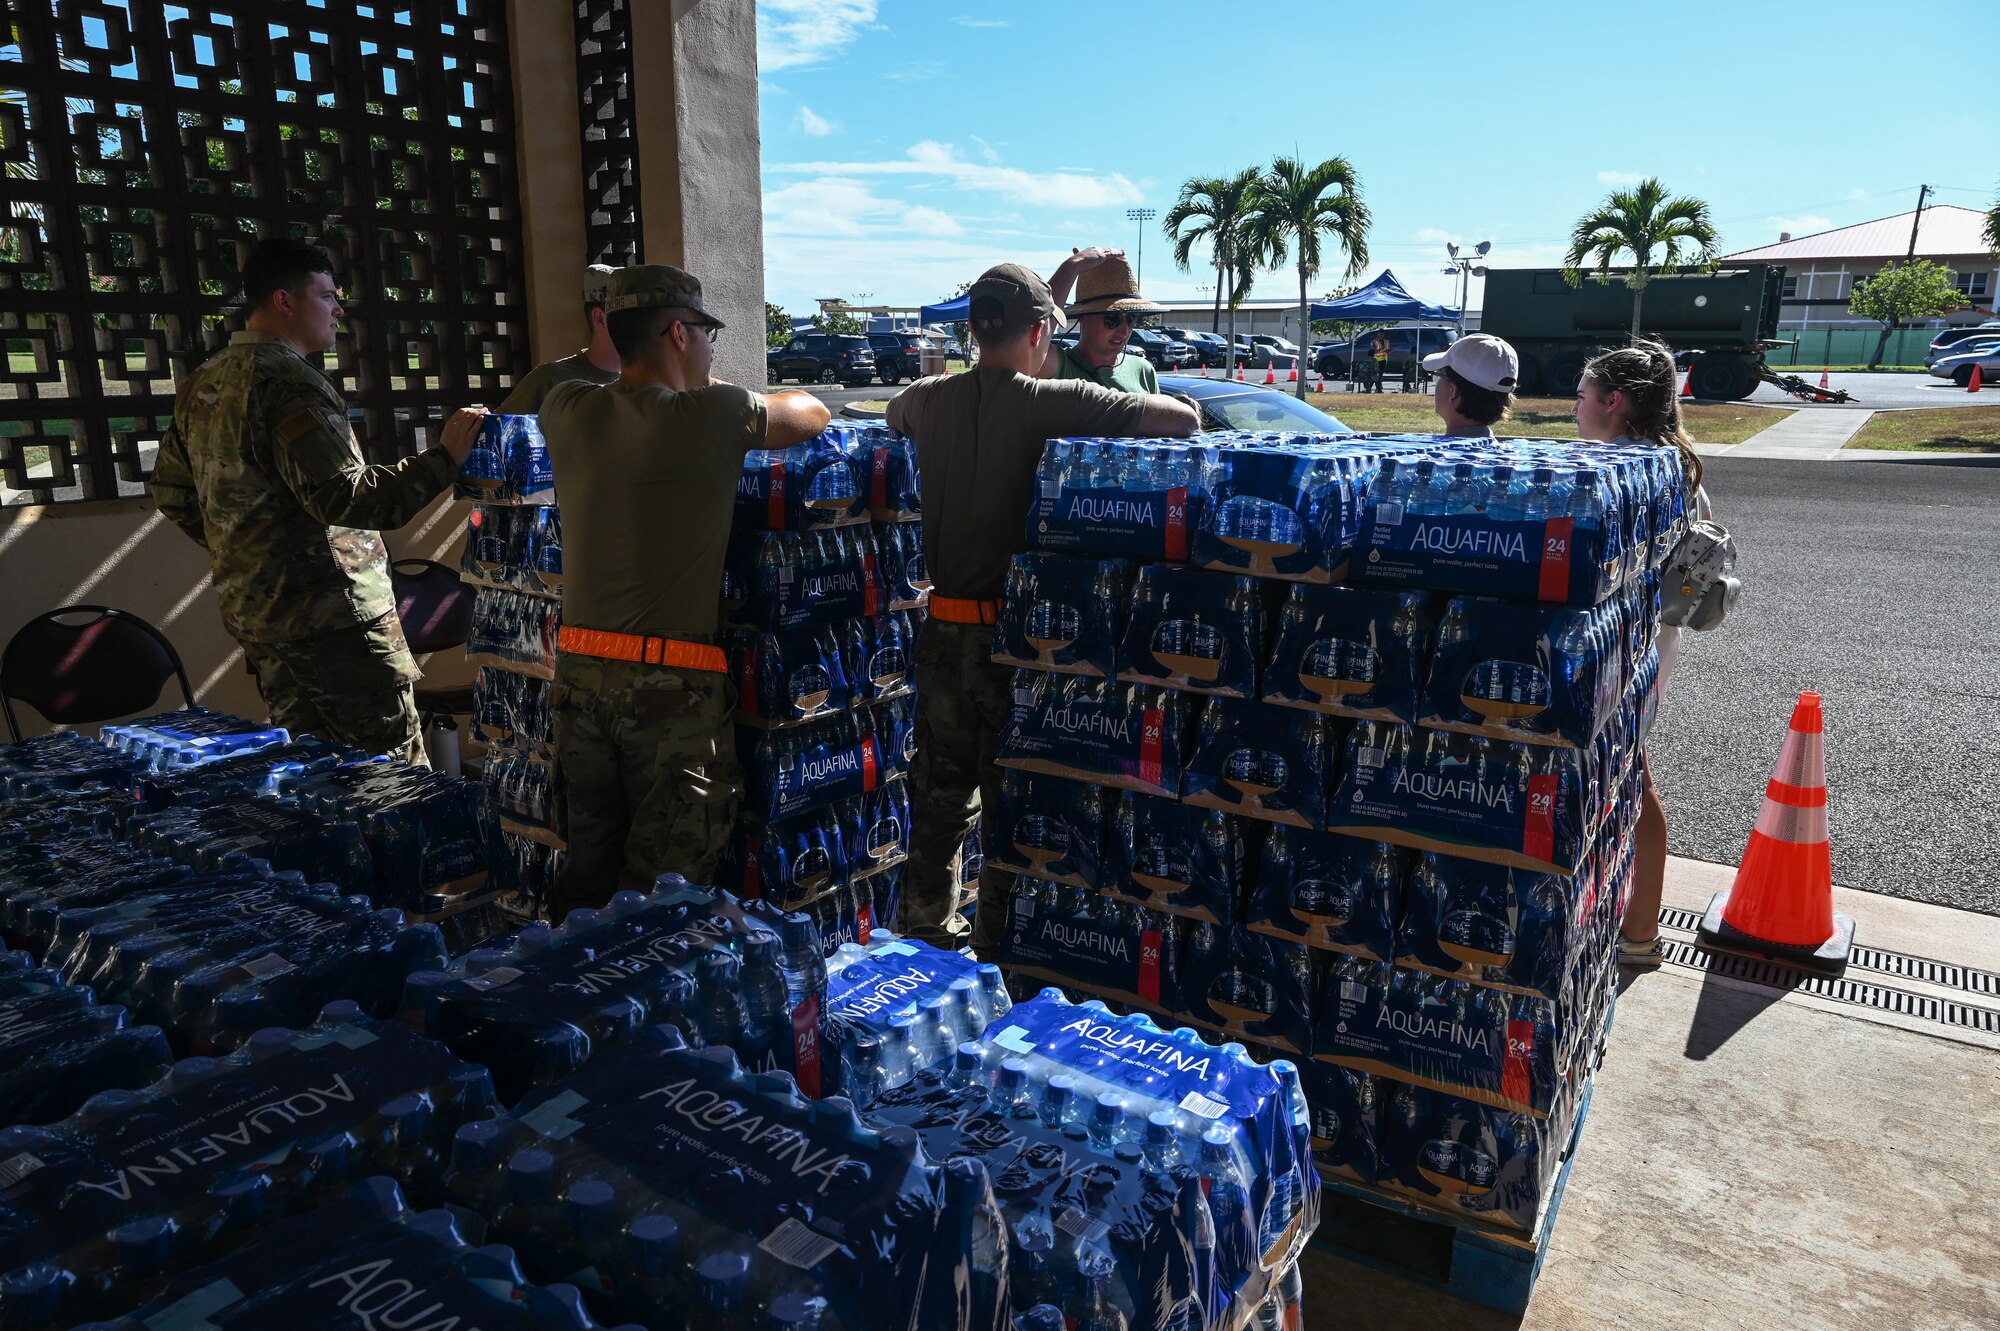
700,161
548,172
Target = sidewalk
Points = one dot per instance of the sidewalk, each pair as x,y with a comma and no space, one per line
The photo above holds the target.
1757,1158
1805,436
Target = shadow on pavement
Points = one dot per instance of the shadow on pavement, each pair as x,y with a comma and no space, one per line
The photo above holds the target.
1722,1010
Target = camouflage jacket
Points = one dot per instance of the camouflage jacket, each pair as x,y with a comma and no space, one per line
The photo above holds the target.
261,468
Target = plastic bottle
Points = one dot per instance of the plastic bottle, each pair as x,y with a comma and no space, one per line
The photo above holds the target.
718,1007
719,1290
1092,1308
1010,1091
767,1003
981,1234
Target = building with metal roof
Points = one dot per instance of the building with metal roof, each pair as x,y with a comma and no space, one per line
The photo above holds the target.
1821,269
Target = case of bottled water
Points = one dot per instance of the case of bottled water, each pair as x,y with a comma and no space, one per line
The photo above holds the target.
801,768
1177,858
1146,1178
675,1188
431,835
1070,935
1285,506
896,1008
520,790
792,863
215,957
138,1185
1132,736
895,492
1262,763
1063,613
1345,1112
286,837
59,1045
786,678
1351,651
365,1259
537,1006
775,581
1492,1165
1331,892
1249,986
1142,498
62,761
60,868
512,711
851,913
509,464
513,547
820,483
1051,828
275,771
514,631
1196,632
1509,928
905,567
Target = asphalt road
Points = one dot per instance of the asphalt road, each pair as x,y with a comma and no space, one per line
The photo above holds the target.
1878,392
1873,583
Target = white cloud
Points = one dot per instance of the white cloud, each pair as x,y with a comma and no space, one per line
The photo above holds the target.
792,34
986,150
1799,226
1857,193
921,72
931,222
1038,189
832,206
1620,177
1432,235
818,126
967,21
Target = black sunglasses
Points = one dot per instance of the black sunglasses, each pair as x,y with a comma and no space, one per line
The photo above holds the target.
1119,320
711,329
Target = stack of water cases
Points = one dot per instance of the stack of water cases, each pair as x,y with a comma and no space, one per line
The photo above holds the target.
823,594
513,555
1329,745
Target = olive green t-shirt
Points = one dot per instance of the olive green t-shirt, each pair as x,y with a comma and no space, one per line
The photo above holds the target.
979,439
1132,373
526,399
647,482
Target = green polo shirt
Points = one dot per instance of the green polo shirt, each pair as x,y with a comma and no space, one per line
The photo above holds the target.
1132,373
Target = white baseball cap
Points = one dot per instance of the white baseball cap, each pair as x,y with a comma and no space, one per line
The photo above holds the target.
1479,358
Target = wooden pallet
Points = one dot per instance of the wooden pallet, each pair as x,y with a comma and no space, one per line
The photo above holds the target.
1481,1263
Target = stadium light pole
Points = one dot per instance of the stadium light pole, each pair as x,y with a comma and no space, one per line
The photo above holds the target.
1466,266
1141,216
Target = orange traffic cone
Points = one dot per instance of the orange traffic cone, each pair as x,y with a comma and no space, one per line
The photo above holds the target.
1239,374
1781,904
1271,374
1295,375
1972,385
1687,385
1320,386
1822,380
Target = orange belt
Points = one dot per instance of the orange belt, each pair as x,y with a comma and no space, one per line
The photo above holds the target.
641,647
958,610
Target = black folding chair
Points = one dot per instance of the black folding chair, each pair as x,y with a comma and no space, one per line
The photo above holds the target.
113,664
436,611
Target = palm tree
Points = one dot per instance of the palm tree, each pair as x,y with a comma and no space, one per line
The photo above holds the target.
1215,209
1296,208
1992,230
1641,221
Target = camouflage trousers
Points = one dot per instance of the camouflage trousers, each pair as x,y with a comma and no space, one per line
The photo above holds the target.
352,687
961,705
646,777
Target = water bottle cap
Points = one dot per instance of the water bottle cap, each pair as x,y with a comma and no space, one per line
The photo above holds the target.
657,1240
1013,1074
1110,1109
588,1206
970,1057
762,949
1162,1127
797,1312
722,1275
531,1175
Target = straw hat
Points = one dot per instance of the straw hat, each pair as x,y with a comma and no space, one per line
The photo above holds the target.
1110,288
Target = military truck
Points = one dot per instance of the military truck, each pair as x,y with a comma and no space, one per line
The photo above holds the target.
1719,324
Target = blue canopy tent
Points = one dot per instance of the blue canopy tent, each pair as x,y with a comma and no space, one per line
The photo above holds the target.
945,311
1382,301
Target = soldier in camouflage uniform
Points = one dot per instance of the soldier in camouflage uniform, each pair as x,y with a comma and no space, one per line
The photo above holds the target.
260,467
646,777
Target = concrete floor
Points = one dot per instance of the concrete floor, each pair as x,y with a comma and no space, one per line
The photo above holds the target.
1755,1160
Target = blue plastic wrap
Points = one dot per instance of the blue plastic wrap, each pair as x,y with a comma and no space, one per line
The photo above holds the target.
906,576
1345,1110
1467,1158
429,834
58,1047
1505,927
514,631
670,1185
536,1006
1263,763
218,956
61,761
1249,986
1197,632
889,466
71,869
1050,828
815,484
275,770
774,581
797,769
509,464
794,862
1063,613
154,1181
1287,508
1067,935
1351,651
1142,498
1177,858
207,836
363,1260
1131,736
1330,892
788,678
1533,674
897,1007
513,710
517,547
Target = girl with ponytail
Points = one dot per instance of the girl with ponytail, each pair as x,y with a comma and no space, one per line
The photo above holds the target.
1630,396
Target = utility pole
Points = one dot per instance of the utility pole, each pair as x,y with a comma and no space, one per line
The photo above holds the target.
1141,216
1916,218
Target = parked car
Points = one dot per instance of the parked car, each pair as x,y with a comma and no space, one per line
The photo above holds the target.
1164,352
1209,348
1225,404
1331,359
1948,337
899,356
1980,340
1958,368
825,358
1269,352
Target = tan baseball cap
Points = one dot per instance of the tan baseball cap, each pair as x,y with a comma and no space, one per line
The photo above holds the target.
1024,298
1481,359
596,279
649,284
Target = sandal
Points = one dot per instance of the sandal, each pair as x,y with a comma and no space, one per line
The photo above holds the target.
1641,952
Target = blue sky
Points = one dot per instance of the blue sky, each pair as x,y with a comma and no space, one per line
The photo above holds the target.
907,146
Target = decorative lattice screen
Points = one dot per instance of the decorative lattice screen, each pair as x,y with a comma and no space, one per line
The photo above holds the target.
610,152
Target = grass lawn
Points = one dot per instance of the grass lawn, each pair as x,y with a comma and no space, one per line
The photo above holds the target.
1952,429
1534,417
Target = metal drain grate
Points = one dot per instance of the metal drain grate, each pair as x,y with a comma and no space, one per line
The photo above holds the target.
1900,964
1776,975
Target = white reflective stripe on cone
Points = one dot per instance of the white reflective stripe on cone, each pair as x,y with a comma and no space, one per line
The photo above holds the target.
1789,822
